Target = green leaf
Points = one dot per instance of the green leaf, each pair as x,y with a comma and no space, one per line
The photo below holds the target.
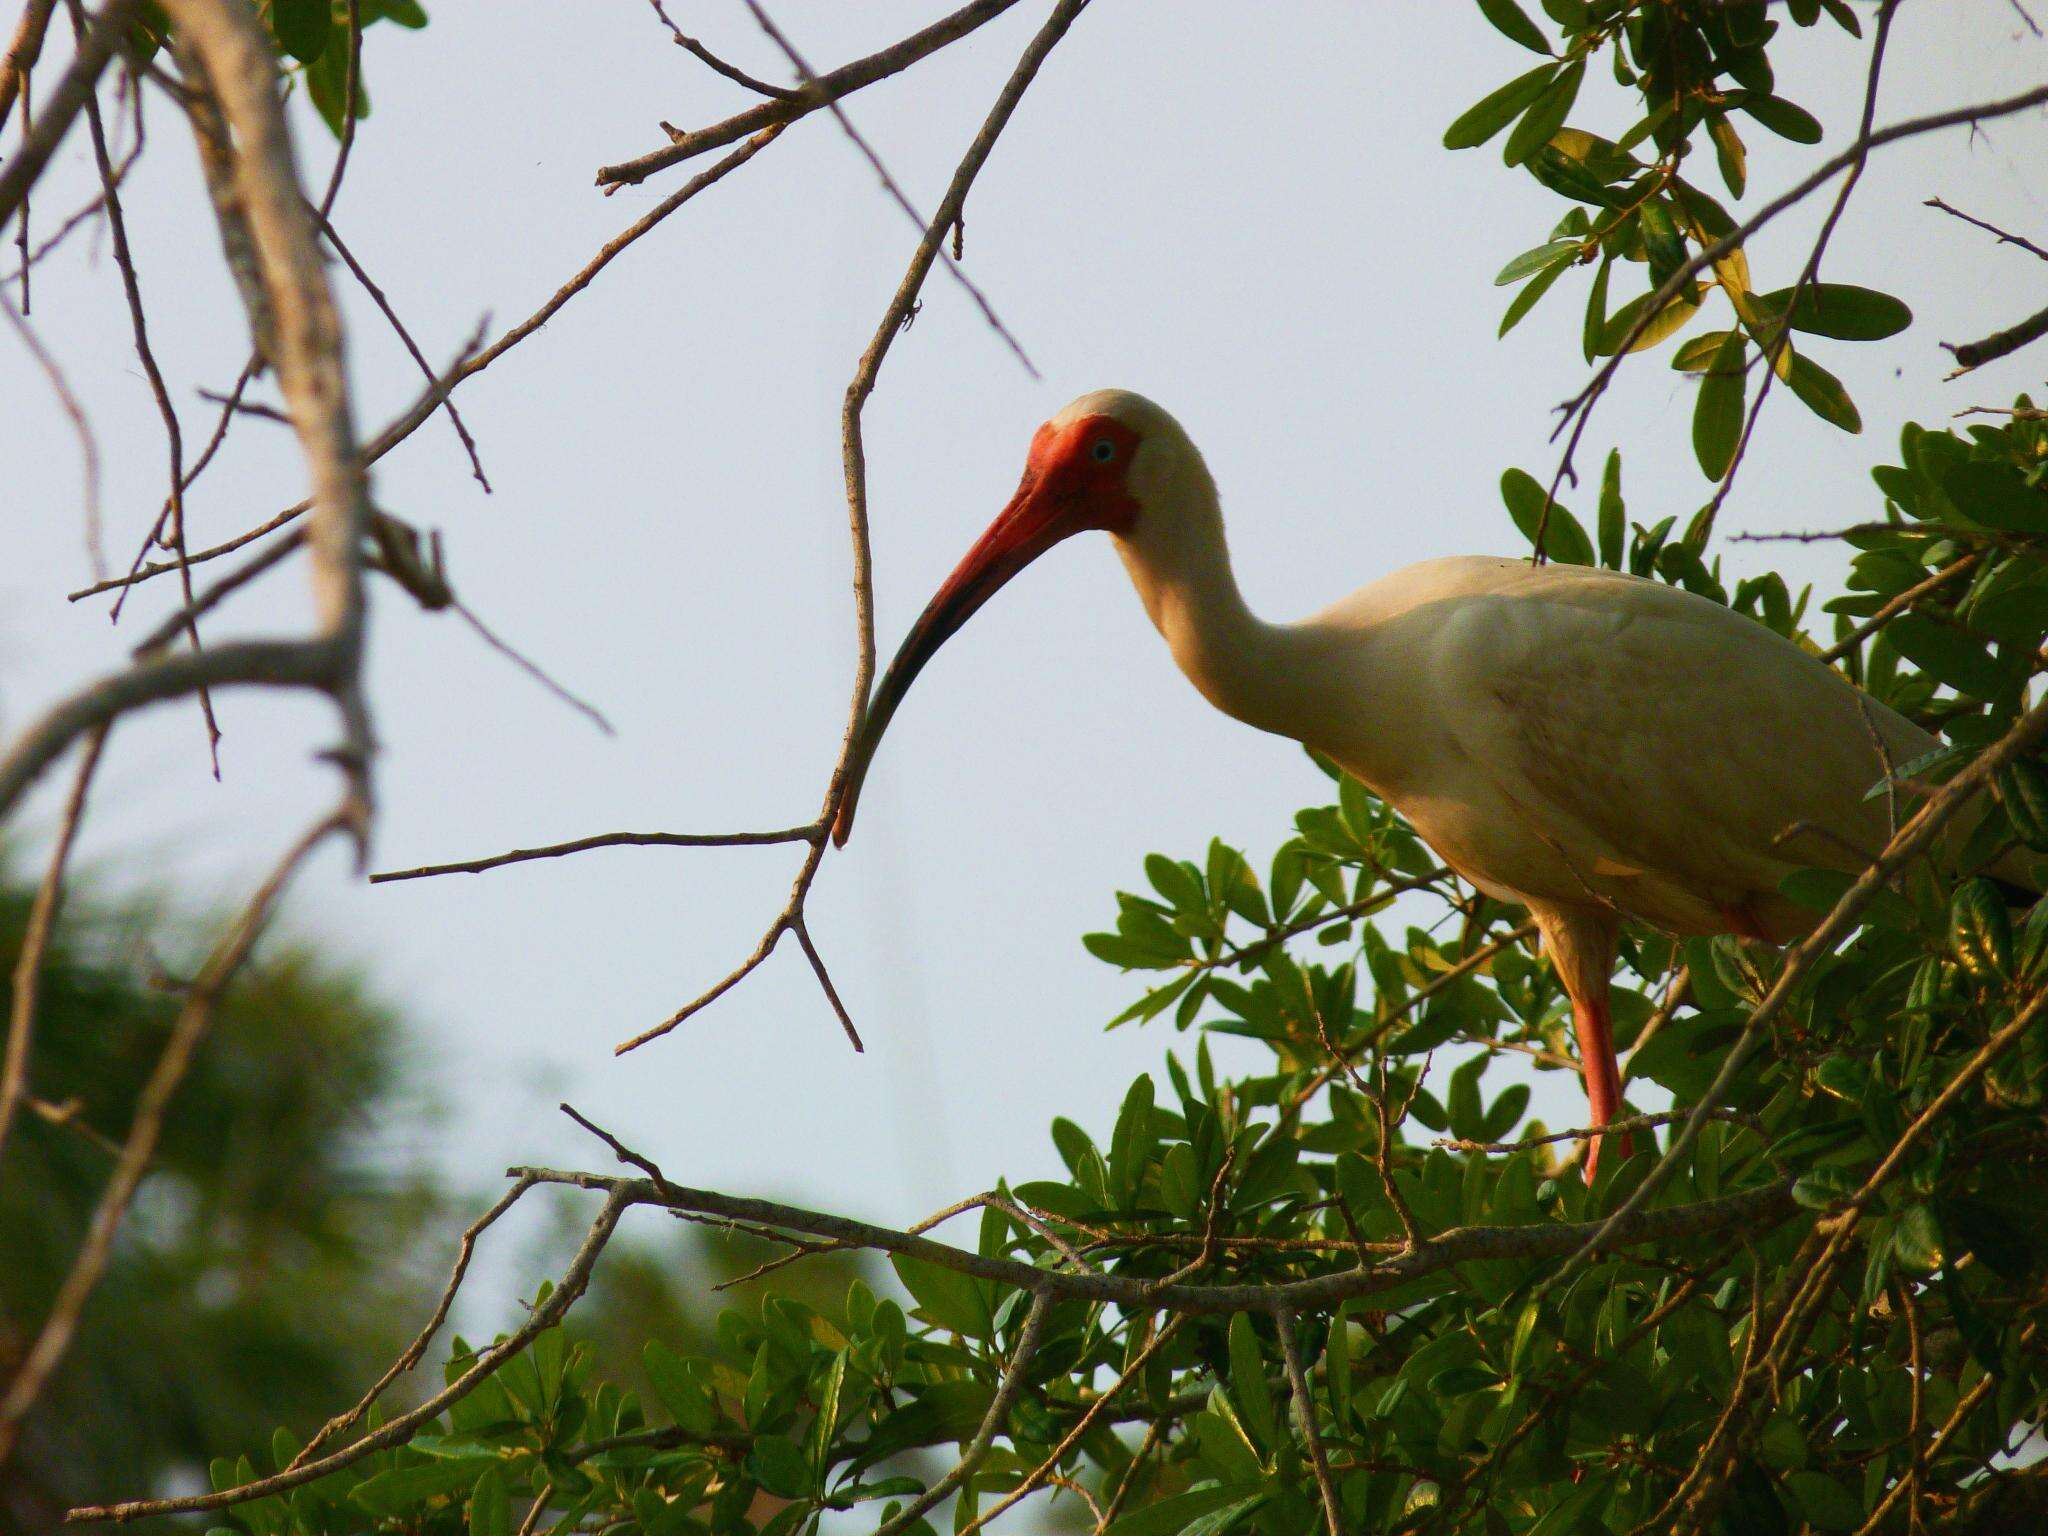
1615,333
1546,114
1131,1142
1563,537
1783,118
1177,1515
1513,23
1495,110
1842,311
1980,932
687,1400
407,13
490,1504
950,1299
1532,290
1535,259
1917,1240
778,1466
1820,1188
1248,1388
1717,415
1613,517
1661,242
1995,496
1947,655
2022,788
302,27
1821,392
1729,152
1825,1502
327,85
398,1491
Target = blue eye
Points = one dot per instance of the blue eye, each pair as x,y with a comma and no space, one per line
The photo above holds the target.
1104,450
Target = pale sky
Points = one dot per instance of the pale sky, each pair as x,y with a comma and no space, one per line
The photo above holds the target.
1243,212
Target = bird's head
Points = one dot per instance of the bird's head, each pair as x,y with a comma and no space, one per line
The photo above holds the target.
1093,466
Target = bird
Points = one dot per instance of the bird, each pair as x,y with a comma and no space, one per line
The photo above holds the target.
1592,745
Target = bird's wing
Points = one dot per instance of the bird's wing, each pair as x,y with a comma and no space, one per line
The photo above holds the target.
1652,734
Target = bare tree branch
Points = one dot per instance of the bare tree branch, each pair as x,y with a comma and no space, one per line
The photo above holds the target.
842,81
64,104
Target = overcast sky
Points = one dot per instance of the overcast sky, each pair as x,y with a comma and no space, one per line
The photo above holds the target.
1251,220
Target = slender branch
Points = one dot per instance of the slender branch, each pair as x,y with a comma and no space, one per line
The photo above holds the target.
802,834
1761,1207
992,1422
473,361
35,938
56,115
1897,605
854,454
418,1347
731,72
892,186
1974,354
22,52
42,1357
779,113
1305,1414
575,1280
2004,237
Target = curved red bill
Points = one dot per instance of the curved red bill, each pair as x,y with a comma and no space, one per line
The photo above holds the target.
1032,523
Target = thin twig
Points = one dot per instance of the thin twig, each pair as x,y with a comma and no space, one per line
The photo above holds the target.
151,1107
417,1349
35,937
731,72
840,82
1305,1414
63,105
1898,604
801,834
992,1421
2005,237
22,53
892,186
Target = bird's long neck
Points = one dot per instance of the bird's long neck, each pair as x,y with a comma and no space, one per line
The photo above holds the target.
1180,564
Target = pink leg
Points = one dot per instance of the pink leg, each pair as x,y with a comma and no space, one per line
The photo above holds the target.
1590,1019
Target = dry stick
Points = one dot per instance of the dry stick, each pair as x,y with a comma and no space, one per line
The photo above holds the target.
2004,236
271,218
1577,411
1154,1433
605,840
351,85
43,1356
35,939
64,104
418,1347
1305,1412
1898,605
575,1279
731,72
174,438
1072,1437
893,187
88,445
531,668
1974,354
1782,342
1766,1204
992,1422
1912,839
21,229
474,362
383,304
22,54
1965,1406
854,453
1612,1128
781,112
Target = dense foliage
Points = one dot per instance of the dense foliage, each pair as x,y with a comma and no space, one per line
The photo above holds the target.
1837,1325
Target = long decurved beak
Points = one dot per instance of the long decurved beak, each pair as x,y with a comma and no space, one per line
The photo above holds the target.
1032,523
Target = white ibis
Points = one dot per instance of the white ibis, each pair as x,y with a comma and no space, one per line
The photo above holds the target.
1590,744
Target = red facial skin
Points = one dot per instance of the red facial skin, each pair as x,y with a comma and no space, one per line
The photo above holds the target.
1074,481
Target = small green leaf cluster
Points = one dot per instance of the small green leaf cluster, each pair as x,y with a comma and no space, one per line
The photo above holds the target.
319,42
1692,68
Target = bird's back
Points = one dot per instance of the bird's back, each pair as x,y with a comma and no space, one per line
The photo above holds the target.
1580,735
